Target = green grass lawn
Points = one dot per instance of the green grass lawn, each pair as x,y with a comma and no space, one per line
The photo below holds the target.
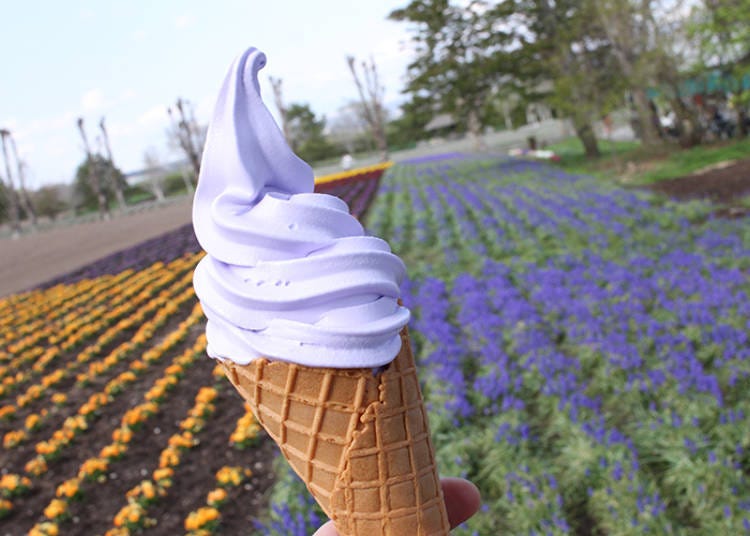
635,164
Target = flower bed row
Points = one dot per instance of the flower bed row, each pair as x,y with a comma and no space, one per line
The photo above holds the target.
585,349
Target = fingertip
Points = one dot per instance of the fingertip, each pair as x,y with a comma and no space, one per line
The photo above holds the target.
462,499
329,529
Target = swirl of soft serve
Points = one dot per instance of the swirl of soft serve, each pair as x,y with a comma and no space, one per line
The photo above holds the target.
289,274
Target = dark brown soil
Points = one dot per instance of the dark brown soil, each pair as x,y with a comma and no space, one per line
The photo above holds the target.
194,477
726,185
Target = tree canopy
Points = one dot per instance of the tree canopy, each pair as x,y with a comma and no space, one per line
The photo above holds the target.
582,58
84,196
306,132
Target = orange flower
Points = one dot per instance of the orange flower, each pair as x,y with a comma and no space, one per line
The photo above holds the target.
32,421
169,457
93,467
13,438
36,466
12,485
163,476
201,518
122,435
112,451
7,411
216,497
69,488
129,515
206,395
44,529
231,476
56,509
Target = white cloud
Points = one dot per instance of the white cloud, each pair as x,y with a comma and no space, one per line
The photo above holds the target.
10,124
183,21
49,124
92,100
128,93
204,109
153,116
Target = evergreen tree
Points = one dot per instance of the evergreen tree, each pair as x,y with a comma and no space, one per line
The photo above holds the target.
306,133
85,197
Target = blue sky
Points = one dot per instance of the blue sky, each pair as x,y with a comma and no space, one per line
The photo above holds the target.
128,61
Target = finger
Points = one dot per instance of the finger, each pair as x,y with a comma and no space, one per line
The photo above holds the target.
462,499
327,530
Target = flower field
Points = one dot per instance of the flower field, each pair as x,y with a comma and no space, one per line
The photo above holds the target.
584,350
113,421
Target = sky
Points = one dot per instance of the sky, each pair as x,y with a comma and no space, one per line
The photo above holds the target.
127,61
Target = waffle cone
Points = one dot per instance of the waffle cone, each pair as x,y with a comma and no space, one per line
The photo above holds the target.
360,441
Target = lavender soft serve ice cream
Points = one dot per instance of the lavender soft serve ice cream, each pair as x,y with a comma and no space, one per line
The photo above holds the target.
289,274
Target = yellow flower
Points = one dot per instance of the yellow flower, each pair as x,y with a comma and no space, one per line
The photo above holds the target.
36,466
119,531
216,497
230,476
200,518
68,489
169,457
32,421
59,399
56,509
112,451
93,467
129,515
163,474
44,529
10,483
7,411
13,438
122,435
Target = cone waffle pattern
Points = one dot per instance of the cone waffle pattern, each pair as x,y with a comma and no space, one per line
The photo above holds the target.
359,441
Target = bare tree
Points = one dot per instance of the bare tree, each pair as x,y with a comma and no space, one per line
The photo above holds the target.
15,220
94,179
349,128
187,133
153,168
371,95
279,100
111,176
23,194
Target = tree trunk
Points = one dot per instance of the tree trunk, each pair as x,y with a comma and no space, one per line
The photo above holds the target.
15,220
25,200
111,178
691,132
649,130
372,103
158,192
585,132
188,182
94,179
13,202
475,131
187,134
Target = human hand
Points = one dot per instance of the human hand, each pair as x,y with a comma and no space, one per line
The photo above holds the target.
462,501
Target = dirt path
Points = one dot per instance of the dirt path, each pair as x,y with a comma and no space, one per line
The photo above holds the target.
728,185
36,258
